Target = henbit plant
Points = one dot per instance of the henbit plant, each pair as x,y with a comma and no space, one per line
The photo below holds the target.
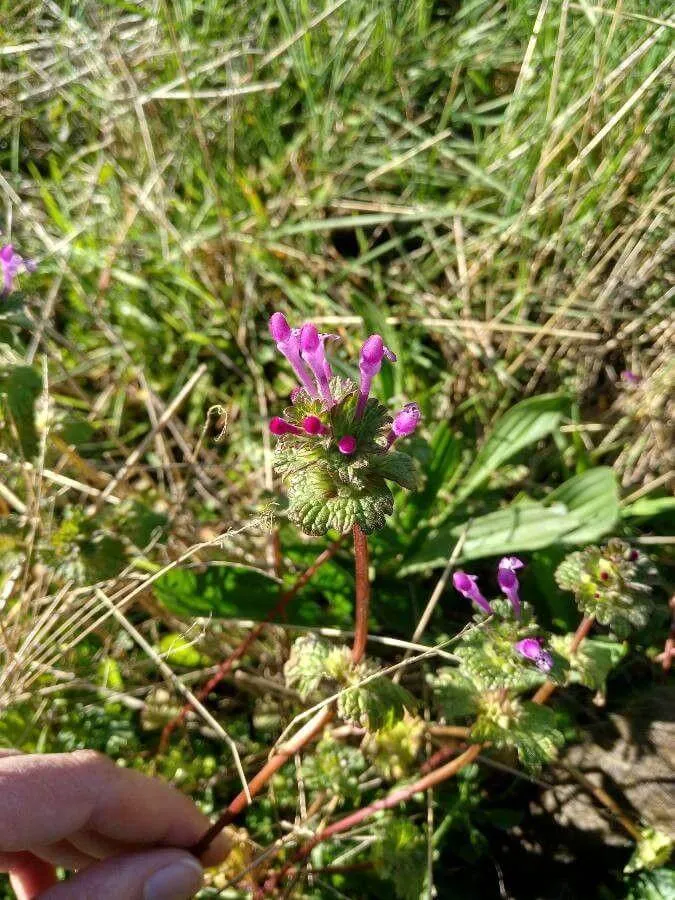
334,453
335,456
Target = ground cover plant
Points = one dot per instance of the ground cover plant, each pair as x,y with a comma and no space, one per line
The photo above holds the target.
395,607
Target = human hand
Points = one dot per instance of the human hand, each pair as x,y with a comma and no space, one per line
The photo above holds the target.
119,831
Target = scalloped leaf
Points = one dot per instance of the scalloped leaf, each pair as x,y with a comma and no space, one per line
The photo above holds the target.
376,704
398,467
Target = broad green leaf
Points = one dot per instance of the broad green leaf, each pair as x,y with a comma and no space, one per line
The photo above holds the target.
524,424
224,591
520,527
21,386
581,510
593,498
647,507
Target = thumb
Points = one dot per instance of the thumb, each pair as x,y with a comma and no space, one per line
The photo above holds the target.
153,875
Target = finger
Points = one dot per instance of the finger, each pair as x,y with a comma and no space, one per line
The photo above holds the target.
153,875
62,854
28,875
48,798
97,847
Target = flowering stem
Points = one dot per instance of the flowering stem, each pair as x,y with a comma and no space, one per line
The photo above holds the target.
582,631
362,594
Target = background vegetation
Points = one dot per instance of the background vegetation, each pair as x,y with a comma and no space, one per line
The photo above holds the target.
485,183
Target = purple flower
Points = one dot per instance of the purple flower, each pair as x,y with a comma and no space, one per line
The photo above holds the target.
370,363
314,425
405,422
288,342
280,426
11,264
508,580
532,648
467,587
313,348
631,377
347,444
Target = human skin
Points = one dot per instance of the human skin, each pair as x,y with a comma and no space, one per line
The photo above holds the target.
122,835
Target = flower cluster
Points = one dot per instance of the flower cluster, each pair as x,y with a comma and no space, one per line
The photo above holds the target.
611,584
530,648
335,448
11,263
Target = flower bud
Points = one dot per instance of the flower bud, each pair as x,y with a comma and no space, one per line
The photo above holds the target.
347,444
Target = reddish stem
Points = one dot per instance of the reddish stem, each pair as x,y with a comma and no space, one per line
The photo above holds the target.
321,718
226,666
362,594
309,731
582,631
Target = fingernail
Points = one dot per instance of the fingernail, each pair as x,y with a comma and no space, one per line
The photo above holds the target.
179,881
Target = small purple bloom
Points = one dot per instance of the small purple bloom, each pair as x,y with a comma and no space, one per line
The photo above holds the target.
532,648
370,363
288,342
313,348
347,444
508,580
631,377
11,264
280,426
467,587
314,425
405,422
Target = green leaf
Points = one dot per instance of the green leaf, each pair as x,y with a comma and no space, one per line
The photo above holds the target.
519,527
401,858
21,386
224,591
593,661
179,651
376,704
306,666
445,457
456,695
581,510
647,507
658,885
524,424
653,850
398,467
593,499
